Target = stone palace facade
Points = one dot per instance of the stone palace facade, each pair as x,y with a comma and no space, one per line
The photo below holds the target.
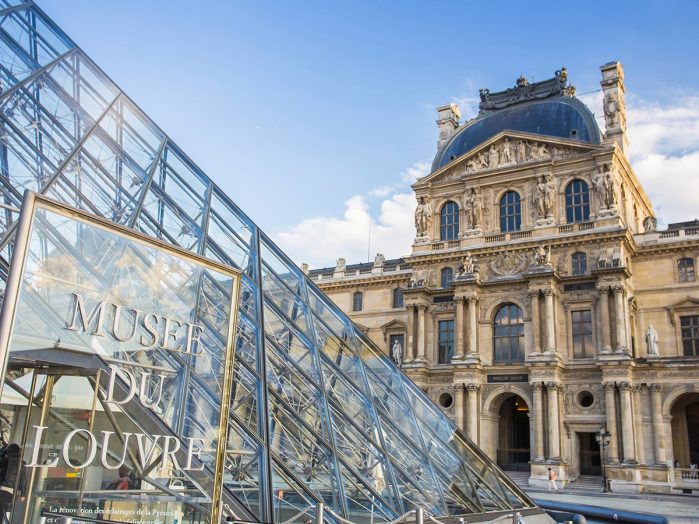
540,303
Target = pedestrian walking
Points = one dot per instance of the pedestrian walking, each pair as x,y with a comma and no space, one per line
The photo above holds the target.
552,480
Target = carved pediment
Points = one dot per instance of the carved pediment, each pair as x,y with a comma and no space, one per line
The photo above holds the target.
509,149
685,304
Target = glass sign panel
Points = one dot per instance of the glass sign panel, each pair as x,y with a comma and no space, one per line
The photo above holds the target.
117,354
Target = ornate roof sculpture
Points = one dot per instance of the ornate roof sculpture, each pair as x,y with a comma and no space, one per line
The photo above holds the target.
525,92
545,108
319,414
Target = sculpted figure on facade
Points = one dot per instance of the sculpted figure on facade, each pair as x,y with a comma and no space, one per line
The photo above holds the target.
397,353
379,260
474,208
544,196
650,224
340,265
611,109
493,157
652,340
605,186
469,266
521,151
506,152
542,256
423,218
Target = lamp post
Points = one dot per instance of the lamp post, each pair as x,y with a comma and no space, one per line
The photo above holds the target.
603,438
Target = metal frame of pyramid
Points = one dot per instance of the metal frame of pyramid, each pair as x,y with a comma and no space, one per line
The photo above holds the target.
319,414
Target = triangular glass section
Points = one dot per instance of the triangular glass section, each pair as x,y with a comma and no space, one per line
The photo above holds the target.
318,413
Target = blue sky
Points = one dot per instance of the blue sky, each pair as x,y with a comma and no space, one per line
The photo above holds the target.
312,112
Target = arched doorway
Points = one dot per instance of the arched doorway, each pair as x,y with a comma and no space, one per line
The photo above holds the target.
685,429
513,451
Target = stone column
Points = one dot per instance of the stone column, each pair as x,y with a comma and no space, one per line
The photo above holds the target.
638,424
410,343
604,316
553,421
421,335
473,326
627,423
537,393
658,430
459,406
472,421
550,345
459,350
620,321
536,323
610,411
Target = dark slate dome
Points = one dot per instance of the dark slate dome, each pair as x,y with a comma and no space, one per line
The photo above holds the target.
560,117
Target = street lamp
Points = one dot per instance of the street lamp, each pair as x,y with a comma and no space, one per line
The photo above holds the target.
602,439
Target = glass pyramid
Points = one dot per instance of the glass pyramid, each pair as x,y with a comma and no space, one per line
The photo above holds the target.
318,413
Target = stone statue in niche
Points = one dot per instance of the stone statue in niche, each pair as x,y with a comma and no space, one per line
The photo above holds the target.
544,196
652,340
611,109
397,353
604,183
542,256
473,208
423,216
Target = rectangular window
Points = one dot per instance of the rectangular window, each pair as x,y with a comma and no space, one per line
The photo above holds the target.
690,335
393,350
446,341
357,301
685,270
397,298
582,334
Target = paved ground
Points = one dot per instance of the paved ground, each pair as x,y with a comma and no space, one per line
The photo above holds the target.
665,505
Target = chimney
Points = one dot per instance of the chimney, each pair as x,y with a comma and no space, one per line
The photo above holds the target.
614,106
447,122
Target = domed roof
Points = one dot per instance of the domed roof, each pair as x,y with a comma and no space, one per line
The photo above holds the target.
555,116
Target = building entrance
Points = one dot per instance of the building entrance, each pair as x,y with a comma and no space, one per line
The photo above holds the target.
513,452
590,463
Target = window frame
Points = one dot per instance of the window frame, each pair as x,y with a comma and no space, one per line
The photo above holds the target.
510,212
444,283
687,273
449,356
510,326
577,202
694,331
355,295
576,268
449,221
585,352
398,292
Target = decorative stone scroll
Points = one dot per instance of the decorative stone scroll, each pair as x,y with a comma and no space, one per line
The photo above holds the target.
508,263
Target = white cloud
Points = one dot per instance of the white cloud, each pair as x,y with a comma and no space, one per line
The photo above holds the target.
664,153
359,234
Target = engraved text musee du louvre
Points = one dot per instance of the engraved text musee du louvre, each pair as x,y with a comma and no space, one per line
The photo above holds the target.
149,331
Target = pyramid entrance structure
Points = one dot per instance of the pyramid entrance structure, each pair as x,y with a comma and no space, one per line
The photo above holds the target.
193,373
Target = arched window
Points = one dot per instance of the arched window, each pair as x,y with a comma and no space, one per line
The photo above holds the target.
577,201
510,212
579,263
357,300
447,276
397,297
508,334
685,270
449,221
